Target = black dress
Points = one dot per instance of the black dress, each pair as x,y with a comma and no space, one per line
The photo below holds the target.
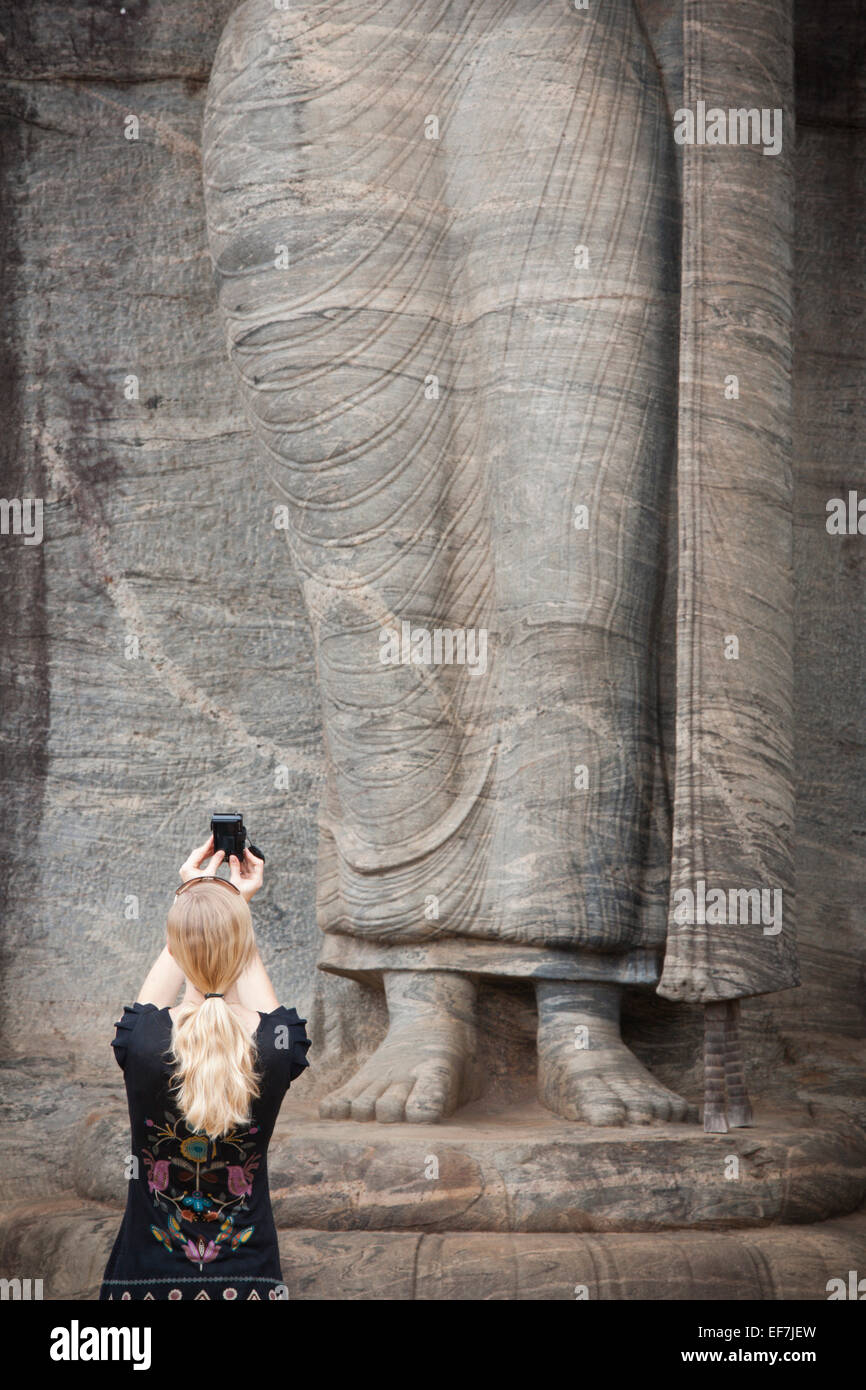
198,1221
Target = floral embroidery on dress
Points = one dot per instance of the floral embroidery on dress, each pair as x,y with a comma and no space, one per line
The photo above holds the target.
192,1179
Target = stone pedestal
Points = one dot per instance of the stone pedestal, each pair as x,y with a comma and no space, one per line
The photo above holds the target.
67,1244
519,1169
507,1203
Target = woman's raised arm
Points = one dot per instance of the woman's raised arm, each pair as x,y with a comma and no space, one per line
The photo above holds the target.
254,988
162,982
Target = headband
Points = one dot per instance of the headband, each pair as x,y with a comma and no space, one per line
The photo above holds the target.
208,878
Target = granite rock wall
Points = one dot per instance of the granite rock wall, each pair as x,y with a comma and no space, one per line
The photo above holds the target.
155,661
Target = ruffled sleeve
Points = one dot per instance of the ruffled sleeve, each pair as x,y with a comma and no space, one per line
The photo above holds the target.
299,1043
124,1030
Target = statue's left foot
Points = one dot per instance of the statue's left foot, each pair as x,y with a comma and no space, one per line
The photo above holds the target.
585,1070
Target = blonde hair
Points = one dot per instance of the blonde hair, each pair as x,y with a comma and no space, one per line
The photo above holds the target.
210,935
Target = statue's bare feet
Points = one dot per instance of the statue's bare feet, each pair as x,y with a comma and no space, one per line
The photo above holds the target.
585,1070
426,1066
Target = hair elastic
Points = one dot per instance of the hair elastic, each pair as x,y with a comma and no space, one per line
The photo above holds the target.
214,996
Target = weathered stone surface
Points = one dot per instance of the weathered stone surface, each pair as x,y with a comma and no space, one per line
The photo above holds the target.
157,532
830,571
62,39
77,303
733,784
67,1247
109,764
516,1170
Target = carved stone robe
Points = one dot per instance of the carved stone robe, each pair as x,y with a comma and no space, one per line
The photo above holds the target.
482,310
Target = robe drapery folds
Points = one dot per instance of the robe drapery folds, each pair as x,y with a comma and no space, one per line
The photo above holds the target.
439,383
733,801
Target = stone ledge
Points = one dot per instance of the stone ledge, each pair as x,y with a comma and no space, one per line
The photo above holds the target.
67,1243
524,1171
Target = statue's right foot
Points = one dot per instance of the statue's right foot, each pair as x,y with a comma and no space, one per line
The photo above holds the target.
426,1066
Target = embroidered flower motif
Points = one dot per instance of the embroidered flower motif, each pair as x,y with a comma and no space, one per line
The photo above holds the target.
174,1295
238,1184
240,1178
197,1202
230,1293
195,1149
200,1252
192,1183
157,1171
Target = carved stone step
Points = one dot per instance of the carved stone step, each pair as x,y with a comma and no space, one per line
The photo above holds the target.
523,1170
67,1245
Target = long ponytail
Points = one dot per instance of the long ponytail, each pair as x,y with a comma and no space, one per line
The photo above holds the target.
210,935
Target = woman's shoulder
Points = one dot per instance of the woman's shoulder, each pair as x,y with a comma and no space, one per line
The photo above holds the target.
133,1013
283,1037
291,1014
125,1028
284,1017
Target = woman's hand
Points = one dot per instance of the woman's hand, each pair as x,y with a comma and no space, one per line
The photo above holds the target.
192,867
247,876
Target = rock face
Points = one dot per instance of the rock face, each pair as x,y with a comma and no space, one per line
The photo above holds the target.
147,621
159,524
